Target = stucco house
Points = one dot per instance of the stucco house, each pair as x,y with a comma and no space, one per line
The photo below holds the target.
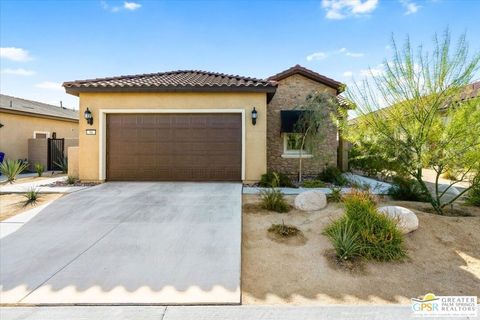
195,125
22,120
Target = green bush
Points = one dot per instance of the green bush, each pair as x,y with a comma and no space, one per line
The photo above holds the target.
345,240
449,175
407,189
473,196
268,178
62,164
39,168
376,236
273,200
71,180
32,196
313,184
12,168
333,175
336,195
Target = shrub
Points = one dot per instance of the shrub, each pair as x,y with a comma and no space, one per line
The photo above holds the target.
268,178
345,240
473,196
407,189
336,195
333,175
62,164
71,180
12,168
449,175
31,195
284,230
273,200
377,236
39,168
313,184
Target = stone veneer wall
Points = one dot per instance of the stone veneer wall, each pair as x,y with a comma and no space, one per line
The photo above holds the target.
291,92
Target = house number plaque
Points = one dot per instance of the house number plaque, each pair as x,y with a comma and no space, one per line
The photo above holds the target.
91,132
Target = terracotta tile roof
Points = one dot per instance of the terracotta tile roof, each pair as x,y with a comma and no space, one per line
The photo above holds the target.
471,91
181,80
298,69
13,104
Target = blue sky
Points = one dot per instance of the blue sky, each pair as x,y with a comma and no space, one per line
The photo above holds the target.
47,42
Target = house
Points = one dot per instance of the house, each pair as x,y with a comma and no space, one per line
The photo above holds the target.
22,120
195,126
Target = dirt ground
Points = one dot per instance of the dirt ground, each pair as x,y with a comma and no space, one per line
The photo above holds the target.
13,203
444,258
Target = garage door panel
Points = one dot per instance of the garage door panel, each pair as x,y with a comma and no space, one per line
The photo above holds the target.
174,147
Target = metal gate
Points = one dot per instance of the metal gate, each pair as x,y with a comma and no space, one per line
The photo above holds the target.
55,153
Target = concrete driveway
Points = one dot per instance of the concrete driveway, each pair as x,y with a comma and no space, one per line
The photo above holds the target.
138,242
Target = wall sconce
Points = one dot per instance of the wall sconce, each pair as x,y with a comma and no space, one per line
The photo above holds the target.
254,116
88,116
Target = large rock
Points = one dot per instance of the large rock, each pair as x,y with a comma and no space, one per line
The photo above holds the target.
405,219
311,201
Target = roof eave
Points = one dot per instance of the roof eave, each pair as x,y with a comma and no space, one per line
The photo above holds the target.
266,89
38,115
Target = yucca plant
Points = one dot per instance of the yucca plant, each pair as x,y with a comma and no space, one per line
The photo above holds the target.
31,195
62,164
39,168
12,168
345,240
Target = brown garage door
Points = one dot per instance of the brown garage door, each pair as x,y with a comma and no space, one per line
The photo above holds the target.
174,147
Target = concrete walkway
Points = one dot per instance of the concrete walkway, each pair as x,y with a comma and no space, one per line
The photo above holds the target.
327,312
150,243
41,186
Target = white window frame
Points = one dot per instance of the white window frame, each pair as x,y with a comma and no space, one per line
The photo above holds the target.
293,154
46,133
102,168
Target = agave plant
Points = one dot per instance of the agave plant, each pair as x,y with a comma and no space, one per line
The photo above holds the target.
39,168
31,196
63,164
12,168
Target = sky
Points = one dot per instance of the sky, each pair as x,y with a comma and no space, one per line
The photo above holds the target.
44,43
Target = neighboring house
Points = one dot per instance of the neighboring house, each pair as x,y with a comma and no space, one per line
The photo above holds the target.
195,126
21,120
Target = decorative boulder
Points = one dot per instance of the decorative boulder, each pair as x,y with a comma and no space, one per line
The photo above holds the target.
405,219
311,201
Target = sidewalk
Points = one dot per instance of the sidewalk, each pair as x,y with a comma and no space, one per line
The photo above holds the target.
329,312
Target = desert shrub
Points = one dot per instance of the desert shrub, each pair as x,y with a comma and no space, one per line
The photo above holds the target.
71,180
284,230
273,200
450,175
31,196
268,178
39,168
12,168
62,164
473,196
313,184
366,195
407,189
333,175
345,240
336,195
377,236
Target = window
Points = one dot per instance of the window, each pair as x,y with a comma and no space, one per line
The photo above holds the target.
40,135
292,143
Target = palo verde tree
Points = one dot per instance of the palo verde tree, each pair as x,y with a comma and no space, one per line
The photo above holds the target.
318,109
420,112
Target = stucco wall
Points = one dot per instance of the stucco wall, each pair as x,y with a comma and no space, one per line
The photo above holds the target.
72,161
255,136
17,129
291,92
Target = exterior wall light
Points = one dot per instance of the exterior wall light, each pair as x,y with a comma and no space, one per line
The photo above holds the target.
88,116
254,116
